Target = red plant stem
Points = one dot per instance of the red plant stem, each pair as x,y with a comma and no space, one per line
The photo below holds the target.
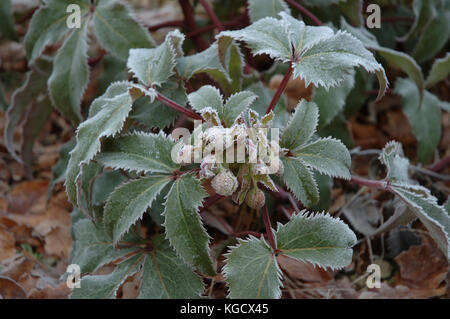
211,201
28,15
397,19
440,165
269,232
190,21
375,92
369,183
178,107
210,12
98,58
171,23
305,11
227,25
280,89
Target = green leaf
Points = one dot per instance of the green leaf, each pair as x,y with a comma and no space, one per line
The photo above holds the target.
397,164
48,25
107,115
117,30
332,101
129,202
104,185
165,275
265,36
353,11
7,20
406,64
106,286
325,185
3,102
395,58
439,71
155,66
425,206
157,114
300,181
183,224
59,169
236,104
206,96
114,70
425,119
139,152
434,35
88,175
301,126
318,239
205,61
252,271
326,62
36,118
259,9
222,61
158,206
338,129
93,248
328,156
70,75
23,100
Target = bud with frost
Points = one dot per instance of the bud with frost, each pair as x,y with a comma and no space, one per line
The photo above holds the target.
255,198
225,183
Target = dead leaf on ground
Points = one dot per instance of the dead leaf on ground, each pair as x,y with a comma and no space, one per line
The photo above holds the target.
7,244
25,196
9,289
423,267
299,270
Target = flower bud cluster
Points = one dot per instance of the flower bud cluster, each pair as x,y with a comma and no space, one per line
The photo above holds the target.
236,158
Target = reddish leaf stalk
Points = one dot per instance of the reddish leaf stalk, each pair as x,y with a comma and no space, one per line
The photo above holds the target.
280,89
190,21
174,105
166,24
397,19
440,165
211,201
375,92
269,232
98,58
305,11
210,12
227,25
28,15
369,183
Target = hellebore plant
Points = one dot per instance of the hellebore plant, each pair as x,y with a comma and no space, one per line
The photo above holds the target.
150,158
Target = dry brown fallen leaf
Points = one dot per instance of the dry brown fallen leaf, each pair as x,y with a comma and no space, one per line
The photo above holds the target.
9,289
7,244
423,267
298,270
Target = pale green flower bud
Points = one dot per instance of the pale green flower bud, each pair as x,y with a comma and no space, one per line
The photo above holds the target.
255,198
225,183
